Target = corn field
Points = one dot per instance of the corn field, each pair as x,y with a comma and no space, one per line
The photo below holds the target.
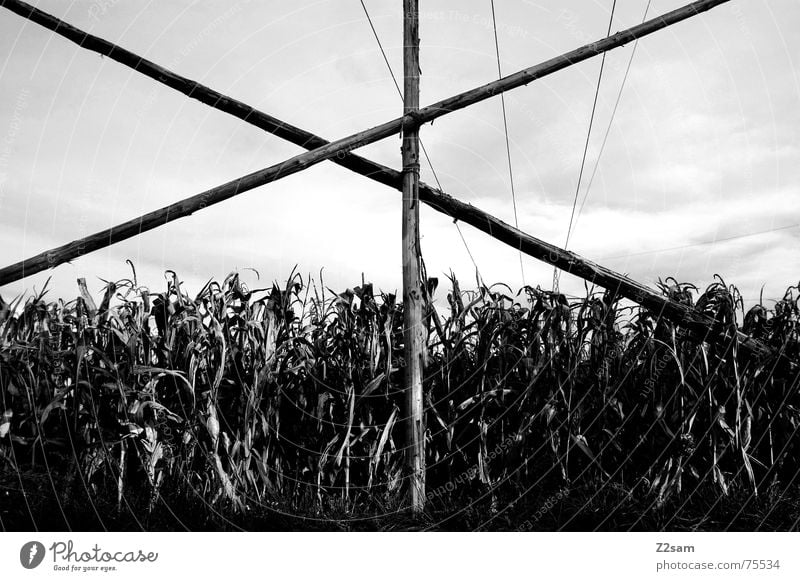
287,400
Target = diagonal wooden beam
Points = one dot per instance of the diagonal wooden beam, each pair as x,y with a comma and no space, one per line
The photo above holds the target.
699,324
194,90
187,86
338,150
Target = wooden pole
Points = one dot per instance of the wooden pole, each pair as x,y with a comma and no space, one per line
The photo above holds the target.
337,149
413,296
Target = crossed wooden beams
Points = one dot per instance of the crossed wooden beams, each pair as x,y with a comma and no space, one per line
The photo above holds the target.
340,152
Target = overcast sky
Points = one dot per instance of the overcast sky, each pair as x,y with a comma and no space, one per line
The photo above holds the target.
704,145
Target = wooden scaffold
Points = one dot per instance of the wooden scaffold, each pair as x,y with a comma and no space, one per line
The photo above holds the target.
406,180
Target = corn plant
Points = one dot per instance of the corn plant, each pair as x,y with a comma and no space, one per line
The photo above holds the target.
290,396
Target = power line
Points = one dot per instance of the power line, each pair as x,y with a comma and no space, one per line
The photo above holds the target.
586,145
505,129
422,145
611,120
703,243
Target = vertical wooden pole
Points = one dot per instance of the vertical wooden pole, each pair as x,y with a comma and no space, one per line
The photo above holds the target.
413,297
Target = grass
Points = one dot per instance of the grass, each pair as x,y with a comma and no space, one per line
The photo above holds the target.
280,408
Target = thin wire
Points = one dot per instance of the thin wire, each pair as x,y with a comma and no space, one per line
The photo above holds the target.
380,46
464,240
585,147
703,243
508,145
611,121
422,145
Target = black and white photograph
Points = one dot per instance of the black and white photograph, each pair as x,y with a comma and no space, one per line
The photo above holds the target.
363,267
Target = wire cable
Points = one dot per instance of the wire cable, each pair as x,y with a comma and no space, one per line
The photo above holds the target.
585,147
505,129
611,121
